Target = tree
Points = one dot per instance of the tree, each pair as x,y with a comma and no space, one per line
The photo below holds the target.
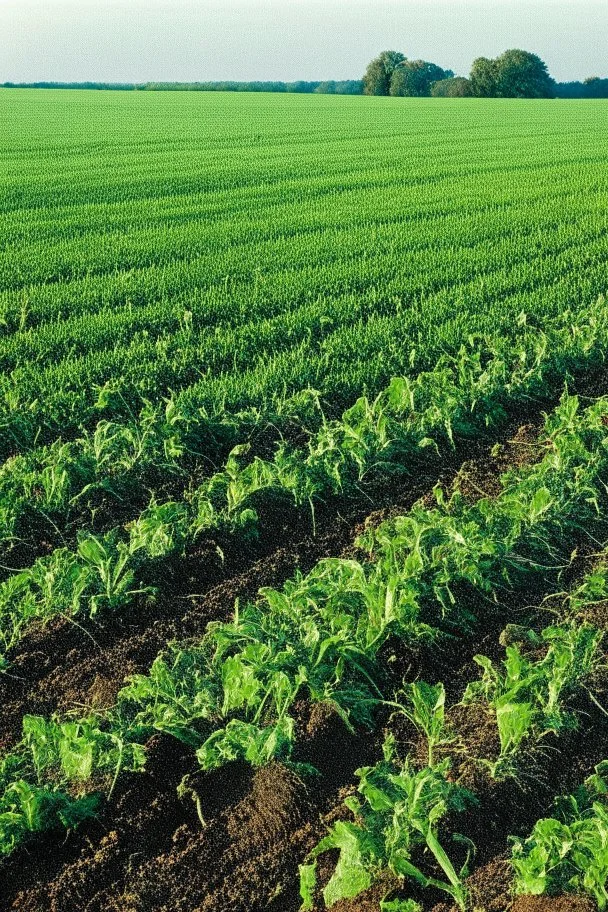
415,78
453,87
484,78
515,74
523,75
377,79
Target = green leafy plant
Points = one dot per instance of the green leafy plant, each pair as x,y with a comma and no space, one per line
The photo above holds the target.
179,696
55,775
399,814
319,637
112,571
159,531
568,853
75,751
424,706
26,809
399,905
529,696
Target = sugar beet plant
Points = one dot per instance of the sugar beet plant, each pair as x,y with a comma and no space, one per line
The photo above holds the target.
405,802
529,696
119,463
321,634
396,819
57,775
568,852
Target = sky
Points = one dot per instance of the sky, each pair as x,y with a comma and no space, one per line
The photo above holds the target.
190,40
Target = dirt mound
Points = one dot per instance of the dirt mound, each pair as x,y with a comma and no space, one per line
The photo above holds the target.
239,861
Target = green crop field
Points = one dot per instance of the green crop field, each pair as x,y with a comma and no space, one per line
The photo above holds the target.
303,496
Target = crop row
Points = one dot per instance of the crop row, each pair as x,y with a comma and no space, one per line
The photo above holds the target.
429,574
568,851
405,802
120,463
221,288
225,147
532,698
111,254
462,397
205,275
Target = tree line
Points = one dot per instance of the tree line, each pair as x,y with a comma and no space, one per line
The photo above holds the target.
327,87
592,87
513,74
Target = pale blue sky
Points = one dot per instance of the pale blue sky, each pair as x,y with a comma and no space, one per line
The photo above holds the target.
132,40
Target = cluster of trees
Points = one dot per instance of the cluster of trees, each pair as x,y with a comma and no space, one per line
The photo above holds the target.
393,74
345,87
454,87
119,86
301,87
515,74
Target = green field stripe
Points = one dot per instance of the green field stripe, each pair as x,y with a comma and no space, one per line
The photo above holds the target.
65,259
392,237
279,293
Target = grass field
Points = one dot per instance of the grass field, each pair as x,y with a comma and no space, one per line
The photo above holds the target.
303,429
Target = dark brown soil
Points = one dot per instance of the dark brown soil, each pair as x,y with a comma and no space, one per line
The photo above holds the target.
511,806
489,889
65,664
553,904
596,615
238,861
369,901
151,852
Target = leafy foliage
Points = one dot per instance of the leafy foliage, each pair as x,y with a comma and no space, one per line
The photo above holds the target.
400,811
377,78
49,782
514,74
530,695
416,78
568,853
320,636
424,706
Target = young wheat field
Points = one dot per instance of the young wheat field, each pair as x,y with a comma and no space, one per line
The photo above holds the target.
303,503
